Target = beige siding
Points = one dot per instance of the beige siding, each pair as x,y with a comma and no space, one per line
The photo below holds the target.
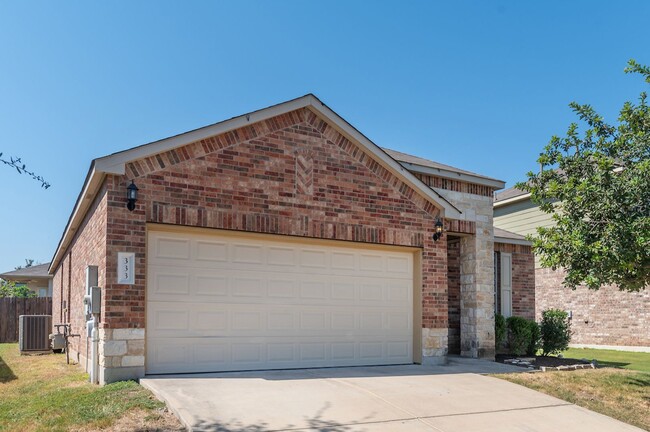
522,217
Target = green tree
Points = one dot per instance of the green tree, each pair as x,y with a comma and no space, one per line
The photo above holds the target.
10,289
596,186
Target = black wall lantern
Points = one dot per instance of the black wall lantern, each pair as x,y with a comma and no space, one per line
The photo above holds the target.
131,196
439,227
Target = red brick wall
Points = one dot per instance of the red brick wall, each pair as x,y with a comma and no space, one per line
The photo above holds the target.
455,185
523,278
291,175
87,248
604,317
453,283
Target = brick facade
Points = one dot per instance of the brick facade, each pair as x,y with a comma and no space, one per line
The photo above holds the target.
69,283
604,317
295,175
523,278
453,286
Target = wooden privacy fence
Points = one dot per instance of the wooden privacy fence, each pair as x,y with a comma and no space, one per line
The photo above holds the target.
11,308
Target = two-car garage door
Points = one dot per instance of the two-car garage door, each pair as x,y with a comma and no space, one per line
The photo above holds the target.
222,302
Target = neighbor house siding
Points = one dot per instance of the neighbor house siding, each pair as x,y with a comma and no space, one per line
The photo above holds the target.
604,317
521,217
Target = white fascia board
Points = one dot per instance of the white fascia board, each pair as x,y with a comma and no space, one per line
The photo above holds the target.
115,163
85,199
512,241
512,200
455,175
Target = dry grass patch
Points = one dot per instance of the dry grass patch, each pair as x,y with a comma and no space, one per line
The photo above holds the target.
620,394
44,393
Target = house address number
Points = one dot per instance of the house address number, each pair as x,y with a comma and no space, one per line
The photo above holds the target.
126,268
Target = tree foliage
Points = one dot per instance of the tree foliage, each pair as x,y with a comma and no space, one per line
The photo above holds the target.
20,167
10,289
596,186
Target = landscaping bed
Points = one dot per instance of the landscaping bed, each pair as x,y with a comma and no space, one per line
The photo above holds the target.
545,362
44,393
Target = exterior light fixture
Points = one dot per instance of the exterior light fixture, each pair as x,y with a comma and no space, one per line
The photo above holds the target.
131,196
439,227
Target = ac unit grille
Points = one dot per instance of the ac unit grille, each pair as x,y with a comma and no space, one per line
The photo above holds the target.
34,332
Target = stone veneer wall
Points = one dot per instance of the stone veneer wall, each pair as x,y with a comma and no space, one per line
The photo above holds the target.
476,276
604,317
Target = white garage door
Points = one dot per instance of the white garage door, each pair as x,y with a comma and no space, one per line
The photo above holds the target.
220,302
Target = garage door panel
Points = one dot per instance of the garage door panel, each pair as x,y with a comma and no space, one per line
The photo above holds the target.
166,319
218,302
173,355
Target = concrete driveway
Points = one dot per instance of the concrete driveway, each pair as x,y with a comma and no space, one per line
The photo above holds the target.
453,397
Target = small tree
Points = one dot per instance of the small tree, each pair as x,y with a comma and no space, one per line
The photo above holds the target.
520,335
555,331
500,330
10,289
596,186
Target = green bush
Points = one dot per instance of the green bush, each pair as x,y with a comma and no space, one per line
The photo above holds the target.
535,338
500,330
519,335
555,331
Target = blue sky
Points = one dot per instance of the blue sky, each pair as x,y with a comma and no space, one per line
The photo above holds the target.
478,85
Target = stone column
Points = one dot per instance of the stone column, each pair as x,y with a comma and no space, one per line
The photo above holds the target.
121,354
477,293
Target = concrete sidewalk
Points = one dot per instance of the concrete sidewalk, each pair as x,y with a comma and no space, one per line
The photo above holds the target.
453,397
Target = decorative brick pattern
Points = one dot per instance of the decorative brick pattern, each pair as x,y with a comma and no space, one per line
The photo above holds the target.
455,185
290,175
604,317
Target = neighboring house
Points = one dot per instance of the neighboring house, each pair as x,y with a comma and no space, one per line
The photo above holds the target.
35,277
607,317
282,238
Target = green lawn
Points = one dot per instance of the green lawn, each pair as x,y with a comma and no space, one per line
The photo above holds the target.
610,390
610,358
43,393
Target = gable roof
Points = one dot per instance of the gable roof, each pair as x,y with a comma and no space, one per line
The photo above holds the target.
35,271
116,163
426,166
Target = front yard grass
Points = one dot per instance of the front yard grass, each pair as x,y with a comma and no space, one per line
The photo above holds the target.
639,361
611,390
43,393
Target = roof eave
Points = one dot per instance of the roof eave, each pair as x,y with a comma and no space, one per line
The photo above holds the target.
511,200
91,185
455,175
512,241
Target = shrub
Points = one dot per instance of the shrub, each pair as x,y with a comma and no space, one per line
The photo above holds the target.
535,338
520,335
500,330
555,331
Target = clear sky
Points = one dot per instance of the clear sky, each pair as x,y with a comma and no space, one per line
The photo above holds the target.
479,85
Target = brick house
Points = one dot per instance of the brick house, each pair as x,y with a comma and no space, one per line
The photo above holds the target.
282,238
607,318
